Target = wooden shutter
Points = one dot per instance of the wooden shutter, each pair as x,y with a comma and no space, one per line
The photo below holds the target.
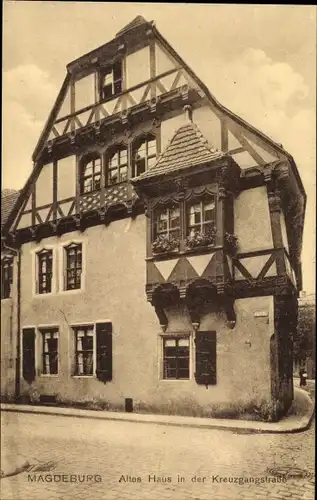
206,358
104,351
28,346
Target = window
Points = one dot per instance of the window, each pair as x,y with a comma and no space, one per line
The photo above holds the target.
117,165
84,350
111,81
201,216
90,174
45,271
206,358
176,358
167,222
143,155
6,277
73,266
50,352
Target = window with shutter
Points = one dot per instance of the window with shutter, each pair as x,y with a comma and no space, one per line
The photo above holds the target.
28,345
104,351
206,358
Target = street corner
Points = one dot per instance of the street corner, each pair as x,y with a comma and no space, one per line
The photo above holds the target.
12,464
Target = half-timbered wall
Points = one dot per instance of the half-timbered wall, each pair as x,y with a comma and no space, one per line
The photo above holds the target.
44,186
85,91
66,178
252,223
137,67
284,231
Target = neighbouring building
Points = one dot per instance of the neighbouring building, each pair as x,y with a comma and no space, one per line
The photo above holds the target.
158,243
305,338
8,345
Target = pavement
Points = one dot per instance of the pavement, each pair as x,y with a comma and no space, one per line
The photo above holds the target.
79,458
298,419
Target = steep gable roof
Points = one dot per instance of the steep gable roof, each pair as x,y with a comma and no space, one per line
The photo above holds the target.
8,200
188,147
137,21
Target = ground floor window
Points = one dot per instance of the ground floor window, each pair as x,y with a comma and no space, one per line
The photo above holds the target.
50,352
84,350
176,358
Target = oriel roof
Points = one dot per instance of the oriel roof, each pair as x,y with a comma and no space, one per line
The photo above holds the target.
188,147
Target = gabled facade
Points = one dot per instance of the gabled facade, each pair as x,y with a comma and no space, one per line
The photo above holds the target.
149,197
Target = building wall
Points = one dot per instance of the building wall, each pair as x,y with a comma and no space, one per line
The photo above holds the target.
114,290
252,223
8,342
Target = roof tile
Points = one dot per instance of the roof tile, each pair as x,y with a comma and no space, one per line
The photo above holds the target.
8,200
188,147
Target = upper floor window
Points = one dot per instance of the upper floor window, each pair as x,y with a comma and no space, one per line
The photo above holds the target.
111,80
201,216
45,271
90,173
117,165
73,266
143,155
167,222
6,277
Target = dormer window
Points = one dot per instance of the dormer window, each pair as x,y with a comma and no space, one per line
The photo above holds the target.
90,173
111,81
143,155
117,165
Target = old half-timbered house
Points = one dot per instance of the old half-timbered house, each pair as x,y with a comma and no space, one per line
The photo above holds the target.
160,239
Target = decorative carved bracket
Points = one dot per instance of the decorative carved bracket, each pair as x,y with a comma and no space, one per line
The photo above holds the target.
230,312
161,316
274,200
184,92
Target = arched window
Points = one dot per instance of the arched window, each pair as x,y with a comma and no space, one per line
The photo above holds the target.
143,154
117,165
90,173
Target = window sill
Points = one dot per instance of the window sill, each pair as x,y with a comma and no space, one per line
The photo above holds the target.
200,250
6,298
72,291
175,380
85,376
47,375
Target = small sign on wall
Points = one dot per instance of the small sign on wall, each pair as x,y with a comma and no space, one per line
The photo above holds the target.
261,314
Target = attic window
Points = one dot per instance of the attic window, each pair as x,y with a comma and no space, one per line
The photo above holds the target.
111,81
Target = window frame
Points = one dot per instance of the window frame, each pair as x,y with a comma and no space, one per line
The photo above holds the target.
211,198
177,336
67,269
89,327
84,161
103,73
113,150
136,145
44,252
170,230
51,330
6,277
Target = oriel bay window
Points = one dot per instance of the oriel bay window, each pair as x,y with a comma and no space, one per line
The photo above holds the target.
6,277
73,271
143,154
90,173
50,351
176,357
84,350
117,165
45,271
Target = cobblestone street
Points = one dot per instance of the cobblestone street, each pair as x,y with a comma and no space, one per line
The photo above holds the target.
203,457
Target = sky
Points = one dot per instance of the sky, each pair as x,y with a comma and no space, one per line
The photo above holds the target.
258,61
